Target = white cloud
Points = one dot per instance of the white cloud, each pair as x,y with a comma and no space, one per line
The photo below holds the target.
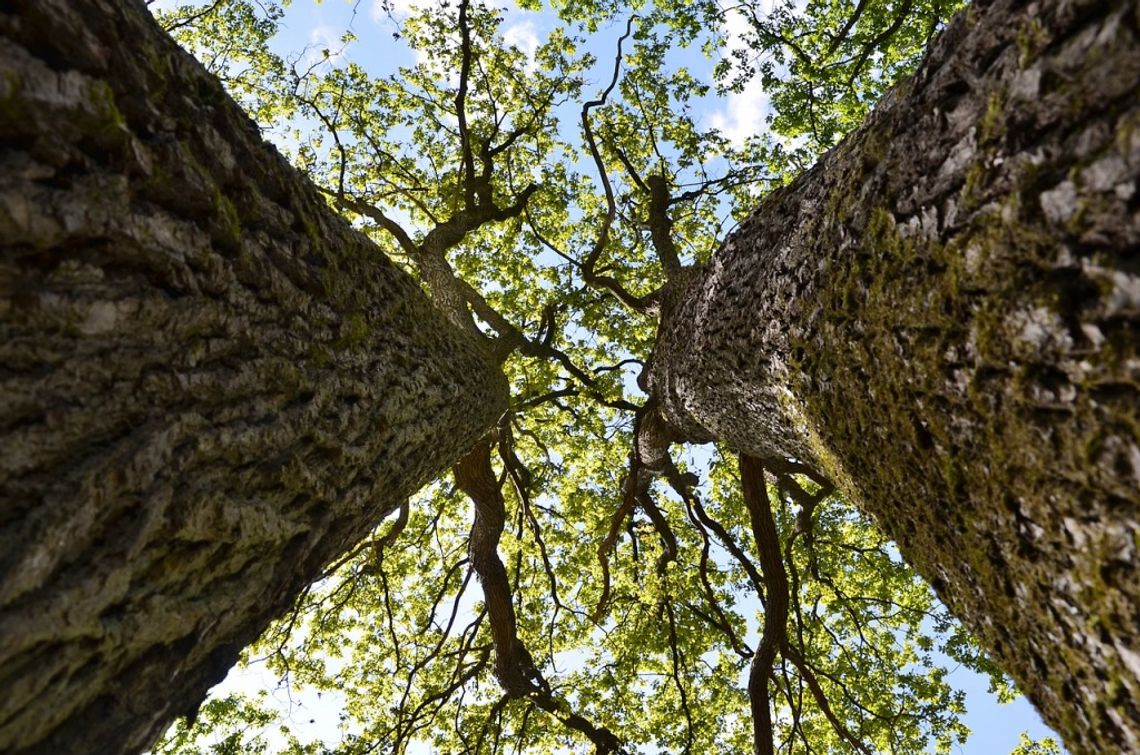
322,38
744,112
524,36
325,36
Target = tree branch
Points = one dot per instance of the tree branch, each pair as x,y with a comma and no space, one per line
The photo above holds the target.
514,668
776,611
466,154
587,267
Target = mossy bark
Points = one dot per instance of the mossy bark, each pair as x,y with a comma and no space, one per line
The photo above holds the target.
210,384
942,315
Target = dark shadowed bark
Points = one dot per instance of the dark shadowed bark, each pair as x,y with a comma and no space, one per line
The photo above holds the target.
942,316
209,384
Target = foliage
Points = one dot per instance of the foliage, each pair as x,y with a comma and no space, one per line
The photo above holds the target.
1027,746
548,200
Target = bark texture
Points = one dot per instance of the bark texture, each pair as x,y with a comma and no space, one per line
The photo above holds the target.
210,384
942,315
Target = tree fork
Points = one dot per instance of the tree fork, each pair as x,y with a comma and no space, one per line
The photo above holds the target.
942,317
211,384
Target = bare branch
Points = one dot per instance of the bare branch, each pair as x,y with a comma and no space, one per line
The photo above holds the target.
514,668
842,35
466,152
821,700
374,214
661,225
589,274
192,18
879,40
521,478
677,658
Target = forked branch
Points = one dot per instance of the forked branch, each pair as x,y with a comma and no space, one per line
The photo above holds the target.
514,668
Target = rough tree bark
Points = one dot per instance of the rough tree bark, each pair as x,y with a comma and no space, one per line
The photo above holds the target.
209,384
942,315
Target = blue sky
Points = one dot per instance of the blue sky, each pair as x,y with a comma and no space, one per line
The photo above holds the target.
317,27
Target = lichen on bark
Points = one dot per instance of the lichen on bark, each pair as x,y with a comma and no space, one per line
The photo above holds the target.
942,315
211,384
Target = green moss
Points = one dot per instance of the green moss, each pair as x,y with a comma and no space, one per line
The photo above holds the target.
992,126
874,148
1031,37
883,235
1077,105
333,286
291,379
228,217
319,356
833,467
107,109
354,331
159,68
295,475
839,206
155,61
977,439
975,181
107,126
11,104
1126,128
312,232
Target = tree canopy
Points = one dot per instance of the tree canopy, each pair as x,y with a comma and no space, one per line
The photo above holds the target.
575,583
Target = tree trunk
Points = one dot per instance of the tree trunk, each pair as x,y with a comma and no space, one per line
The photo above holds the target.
210,384
942,315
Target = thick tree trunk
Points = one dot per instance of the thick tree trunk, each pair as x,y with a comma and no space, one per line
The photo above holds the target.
209,384
942,315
